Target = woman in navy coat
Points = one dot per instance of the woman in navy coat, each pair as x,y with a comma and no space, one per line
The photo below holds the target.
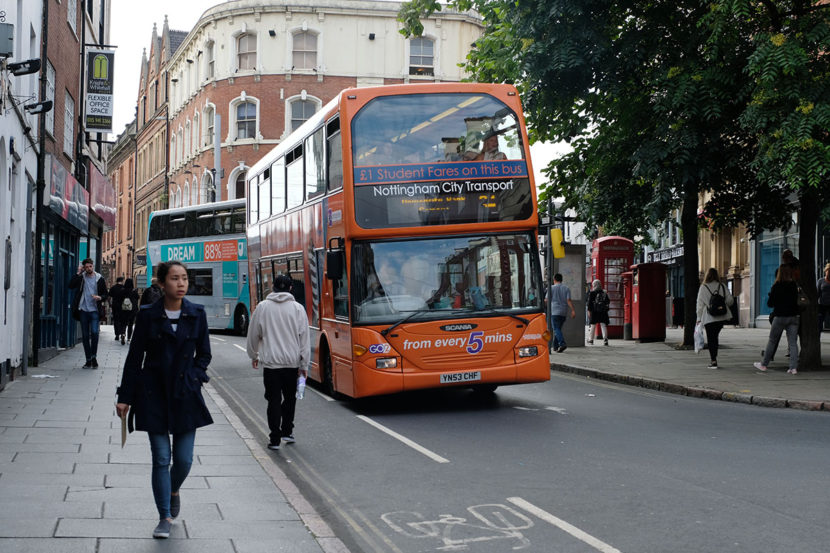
161,384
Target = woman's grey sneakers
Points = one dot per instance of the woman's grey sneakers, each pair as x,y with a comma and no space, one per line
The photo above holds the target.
163,529
175,505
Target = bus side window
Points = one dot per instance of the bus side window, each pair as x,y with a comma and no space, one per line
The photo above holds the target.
266,272
294,177
334,155
315,177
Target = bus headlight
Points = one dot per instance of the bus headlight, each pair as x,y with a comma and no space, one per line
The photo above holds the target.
528,351
386,362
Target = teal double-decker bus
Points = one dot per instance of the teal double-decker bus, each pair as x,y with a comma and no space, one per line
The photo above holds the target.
210,240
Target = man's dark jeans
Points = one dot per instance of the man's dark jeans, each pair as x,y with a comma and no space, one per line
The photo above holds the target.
558,337
89,330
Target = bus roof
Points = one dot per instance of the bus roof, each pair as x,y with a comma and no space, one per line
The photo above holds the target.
212,206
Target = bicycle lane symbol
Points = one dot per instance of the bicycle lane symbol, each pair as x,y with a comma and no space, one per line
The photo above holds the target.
489,522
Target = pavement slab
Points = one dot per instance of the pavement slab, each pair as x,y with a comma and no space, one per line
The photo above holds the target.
67,485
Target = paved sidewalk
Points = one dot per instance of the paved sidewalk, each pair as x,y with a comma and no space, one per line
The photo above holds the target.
659,366
67,486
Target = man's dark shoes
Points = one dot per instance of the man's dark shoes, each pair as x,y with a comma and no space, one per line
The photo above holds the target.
289,439
274,445
88,365
175,505
93,363
562,348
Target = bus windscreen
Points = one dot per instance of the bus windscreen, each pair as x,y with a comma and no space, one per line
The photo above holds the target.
437,159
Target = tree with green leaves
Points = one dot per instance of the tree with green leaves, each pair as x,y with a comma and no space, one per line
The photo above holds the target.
631,84
788,72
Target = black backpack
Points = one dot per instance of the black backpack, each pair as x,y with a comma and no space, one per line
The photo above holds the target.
717,303
601,302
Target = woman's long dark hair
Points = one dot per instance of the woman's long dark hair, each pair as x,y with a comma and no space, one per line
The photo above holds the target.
128,285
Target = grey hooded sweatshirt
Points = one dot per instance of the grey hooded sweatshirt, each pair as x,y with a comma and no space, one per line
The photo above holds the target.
278,333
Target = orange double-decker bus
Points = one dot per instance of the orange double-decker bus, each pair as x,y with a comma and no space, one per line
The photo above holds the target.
406,217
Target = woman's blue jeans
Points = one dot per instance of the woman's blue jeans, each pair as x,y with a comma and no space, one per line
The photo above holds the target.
168,479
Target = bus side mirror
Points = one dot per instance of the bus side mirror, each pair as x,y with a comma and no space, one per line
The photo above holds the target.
334,264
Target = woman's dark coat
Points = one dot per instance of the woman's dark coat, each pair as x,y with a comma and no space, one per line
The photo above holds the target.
597,317
164,370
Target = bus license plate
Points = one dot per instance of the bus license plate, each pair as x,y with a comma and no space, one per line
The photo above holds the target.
453,378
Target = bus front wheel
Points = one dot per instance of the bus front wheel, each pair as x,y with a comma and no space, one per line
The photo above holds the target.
240,320
328,377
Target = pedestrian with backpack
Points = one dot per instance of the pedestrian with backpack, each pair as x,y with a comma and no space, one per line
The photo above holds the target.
598,306
713,303
129,308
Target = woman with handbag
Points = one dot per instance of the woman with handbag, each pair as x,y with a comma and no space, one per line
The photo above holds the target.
162,384
713,310
783,298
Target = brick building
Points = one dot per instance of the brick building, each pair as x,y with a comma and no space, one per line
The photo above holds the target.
118,252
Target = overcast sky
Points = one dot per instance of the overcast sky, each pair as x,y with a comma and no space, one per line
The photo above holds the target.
132,29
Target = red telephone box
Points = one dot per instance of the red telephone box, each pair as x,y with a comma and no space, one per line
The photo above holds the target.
648,302
627,279
611,256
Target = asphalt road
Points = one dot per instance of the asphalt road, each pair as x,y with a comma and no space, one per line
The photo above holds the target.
568,466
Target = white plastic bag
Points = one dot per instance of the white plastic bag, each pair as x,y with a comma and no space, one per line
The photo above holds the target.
300,387
698,337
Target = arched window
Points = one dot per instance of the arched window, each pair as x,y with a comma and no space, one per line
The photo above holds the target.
210,60
304,51
187,145
194,192
195,140
173,149
186,195
421,56
301,110
180,140
246,120
246,51
240,184
210,116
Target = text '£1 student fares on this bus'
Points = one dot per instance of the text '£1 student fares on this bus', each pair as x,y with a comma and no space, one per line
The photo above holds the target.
406,217
210,240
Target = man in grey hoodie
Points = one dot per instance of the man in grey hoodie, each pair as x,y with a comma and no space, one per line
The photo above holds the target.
278,341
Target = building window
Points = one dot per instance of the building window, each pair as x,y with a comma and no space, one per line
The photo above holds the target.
186,196
421,56
210,60
180,140
187,145
210,116
173,150
50,95
240,185
246,120
301,110
68,124
305,50
72,15
195,133
246,51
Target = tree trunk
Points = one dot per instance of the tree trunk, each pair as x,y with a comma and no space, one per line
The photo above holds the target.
691,270
809,357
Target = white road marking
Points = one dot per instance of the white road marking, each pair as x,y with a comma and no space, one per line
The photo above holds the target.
321,394
597,544
240,347
524,408
557,410
420,449
218,338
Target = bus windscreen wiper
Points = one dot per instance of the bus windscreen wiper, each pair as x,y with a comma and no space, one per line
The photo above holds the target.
386,331
491,311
